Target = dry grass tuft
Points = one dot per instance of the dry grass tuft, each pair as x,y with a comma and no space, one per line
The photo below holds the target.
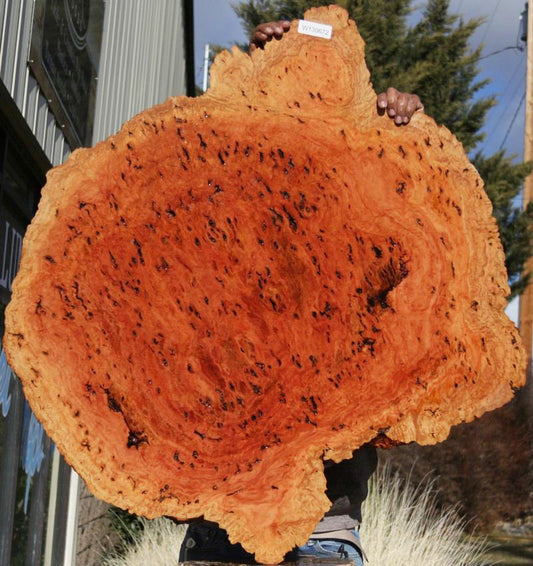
403,527
156,544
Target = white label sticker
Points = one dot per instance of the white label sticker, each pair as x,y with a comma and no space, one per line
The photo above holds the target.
315,29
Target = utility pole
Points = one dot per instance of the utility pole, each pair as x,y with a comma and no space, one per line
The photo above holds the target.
526,300
206,66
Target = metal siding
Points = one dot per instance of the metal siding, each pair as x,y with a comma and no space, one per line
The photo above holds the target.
16,20
66,150
4,18
135,50
164,66
30,104
139,92
59,142
3,15
161,54
40,122
51,131
20,78
126,72
142,62
108,42
23,31
23,95
177,74
9,41
146,78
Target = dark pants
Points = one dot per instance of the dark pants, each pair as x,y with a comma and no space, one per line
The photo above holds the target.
207,542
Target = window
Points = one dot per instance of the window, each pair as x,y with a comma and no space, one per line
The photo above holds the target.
34,480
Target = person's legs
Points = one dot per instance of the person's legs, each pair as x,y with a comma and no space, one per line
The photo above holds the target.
330,548
207,542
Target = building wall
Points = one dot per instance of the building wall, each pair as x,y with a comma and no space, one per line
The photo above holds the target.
143,60
16,18
31,141
146,56
95,533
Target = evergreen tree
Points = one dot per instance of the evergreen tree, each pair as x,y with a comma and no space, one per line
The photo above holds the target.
255,12
442,71
382,24
503,181
433,59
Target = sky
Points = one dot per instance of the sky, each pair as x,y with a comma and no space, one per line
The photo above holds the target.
216,22
506,71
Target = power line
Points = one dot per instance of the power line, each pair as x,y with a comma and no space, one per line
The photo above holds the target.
504,117
517,47
512,121
491,20
510,94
